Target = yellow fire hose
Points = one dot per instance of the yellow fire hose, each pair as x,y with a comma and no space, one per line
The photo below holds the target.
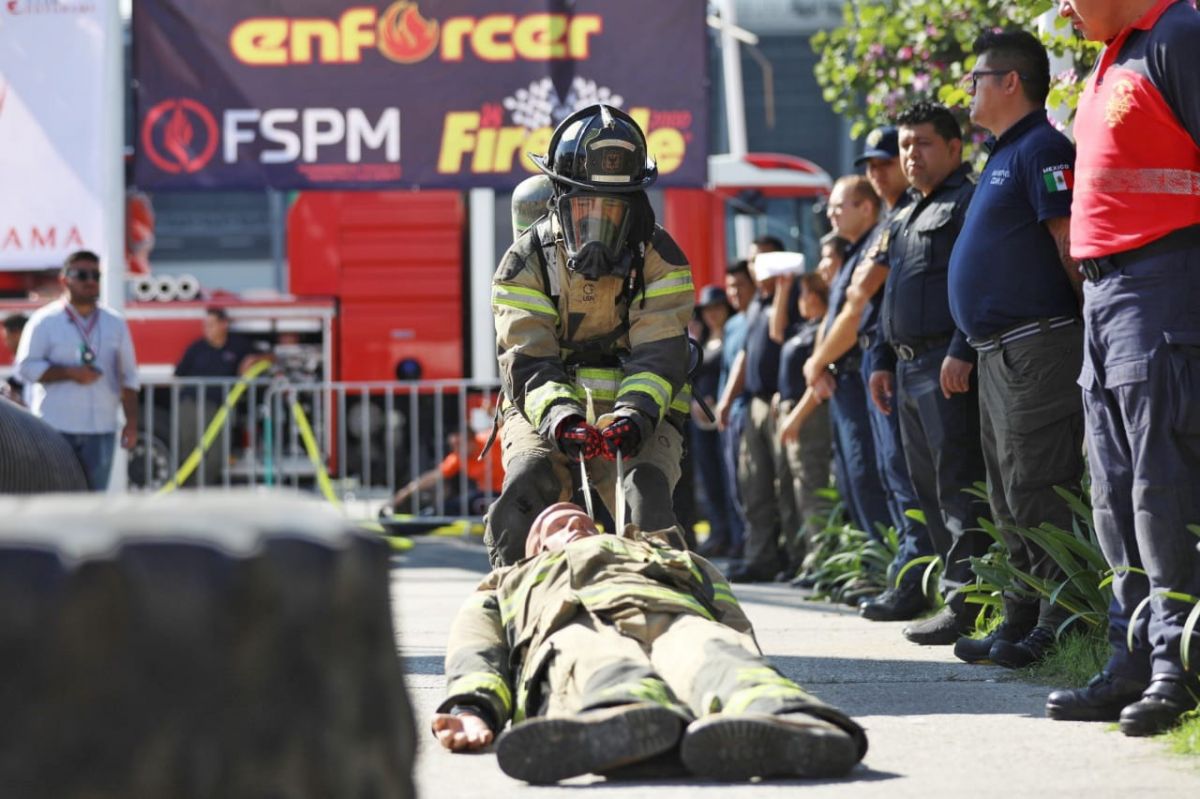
306,435
214,427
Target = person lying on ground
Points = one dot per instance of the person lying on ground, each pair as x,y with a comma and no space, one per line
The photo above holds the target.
606,651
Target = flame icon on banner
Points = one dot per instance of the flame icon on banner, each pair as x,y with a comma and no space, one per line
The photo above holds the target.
169,135
178,135
404,35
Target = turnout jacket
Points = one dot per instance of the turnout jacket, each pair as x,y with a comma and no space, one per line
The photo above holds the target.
495,656
624,338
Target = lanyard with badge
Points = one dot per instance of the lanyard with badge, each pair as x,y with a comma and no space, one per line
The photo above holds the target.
87,355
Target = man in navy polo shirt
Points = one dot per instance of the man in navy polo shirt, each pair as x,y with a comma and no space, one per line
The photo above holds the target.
926,363
1014,291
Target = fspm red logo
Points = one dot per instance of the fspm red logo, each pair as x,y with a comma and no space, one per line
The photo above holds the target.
179,135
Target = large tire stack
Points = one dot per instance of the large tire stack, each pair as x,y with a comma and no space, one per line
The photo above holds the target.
34,457
238,646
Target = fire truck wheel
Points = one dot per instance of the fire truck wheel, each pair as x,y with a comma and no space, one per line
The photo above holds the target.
34,457
237,645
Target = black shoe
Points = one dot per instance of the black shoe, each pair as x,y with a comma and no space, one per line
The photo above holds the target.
941,629
744,746
1166,699
895,604
978,650
1031,649
546,750
1105,696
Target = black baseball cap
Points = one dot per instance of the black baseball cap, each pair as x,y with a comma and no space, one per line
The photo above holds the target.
881,143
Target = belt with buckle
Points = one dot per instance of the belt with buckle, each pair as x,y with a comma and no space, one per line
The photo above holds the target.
1022,331
909,352
1094,269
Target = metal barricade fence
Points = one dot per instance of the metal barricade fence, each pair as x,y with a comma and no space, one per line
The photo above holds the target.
370,438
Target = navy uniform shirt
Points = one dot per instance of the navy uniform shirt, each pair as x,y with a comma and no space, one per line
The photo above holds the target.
1005,268
916,306
796,350
762,354
877,252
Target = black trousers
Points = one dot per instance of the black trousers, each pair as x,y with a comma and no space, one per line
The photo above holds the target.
942,449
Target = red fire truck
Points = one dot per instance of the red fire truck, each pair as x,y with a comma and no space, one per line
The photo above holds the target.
380,280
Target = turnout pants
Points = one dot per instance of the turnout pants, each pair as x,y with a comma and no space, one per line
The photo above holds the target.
537,474
1031,420
679,660
941,446
1141,396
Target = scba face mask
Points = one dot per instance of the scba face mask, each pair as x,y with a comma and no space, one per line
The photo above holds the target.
595,229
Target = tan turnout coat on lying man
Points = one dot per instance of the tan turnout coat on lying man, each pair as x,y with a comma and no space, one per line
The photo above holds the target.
601,648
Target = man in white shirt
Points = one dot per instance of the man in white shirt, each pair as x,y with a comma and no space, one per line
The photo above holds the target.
79,358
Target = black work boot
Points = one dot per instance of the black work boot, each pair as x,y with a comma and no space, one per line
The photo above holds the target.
943,628
546,750
1167,698
896,604
978,650
1031,649
742,746
1105,696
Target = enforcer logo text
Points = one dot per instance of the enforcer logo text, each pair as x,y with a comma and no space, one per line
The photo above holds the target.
402,34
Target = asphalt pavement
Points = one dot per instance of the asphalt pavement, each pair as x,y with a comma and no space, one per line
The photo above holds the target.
937,727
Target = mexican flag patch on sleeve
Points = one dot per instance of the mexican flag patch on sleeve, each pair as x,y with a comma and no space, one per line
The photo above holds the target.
1058,178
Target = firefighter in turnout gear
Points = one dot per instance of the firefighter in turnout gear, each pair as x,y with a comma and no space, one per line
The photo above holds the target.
608,650
591,306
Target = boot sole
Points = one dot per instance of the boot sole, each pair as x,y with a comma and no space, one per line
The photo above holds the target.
546,750
739,748
1064,713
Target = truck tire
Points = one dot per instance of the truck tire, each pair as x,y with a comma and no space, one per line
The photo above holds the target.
197,646
34,457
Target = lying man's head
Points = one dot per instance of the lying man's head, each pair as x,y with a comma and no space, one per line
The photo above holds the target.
557,526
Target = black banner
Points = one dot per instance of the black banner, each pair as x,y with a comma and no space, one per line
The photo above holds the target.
302,94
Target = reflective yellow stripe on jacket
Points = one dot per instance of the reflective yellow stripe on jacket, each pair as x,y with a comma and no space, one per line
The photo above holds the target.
538,401
677,281
651,385
526,299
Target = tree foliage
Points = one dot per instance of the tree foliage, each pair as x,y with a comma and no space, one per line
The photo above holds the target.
888,54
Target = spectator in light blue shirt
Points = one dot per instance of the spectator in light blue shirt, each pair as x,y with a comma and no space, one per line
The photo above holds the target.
79,358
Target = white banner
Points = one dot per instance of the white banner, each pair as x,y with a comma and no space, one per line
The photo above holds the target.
52,121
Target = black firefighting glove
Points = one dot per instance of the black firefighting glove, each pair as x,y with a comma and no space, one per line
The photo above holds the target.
623,435
577,439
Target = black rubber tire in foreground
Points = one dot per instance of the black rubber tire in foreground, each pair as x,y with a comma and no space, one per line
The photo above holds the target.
227,647
34,457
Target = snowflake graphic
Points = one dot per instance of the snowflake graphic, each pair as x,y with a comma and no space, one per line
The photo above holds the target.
539,105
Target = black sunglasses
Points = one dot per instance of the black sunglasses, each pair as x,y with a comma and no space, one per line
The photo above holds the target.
85,274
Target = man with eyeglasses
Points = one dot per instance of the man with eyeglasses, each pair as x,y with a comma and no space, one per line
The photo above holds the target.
79,356
1014,292
1135,227
922,365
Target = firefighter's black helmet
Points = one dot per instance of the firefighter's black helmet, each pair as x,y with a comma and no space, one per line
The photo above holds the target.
598,148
